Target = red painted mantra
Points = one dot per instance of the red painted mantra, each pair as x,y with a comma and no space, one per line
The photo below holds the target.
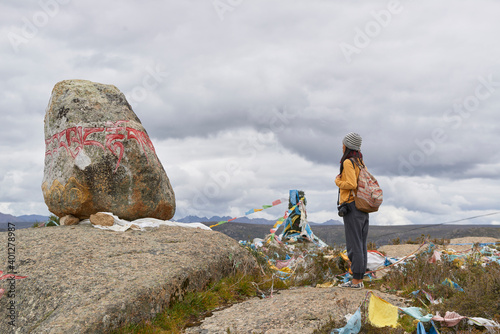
113,140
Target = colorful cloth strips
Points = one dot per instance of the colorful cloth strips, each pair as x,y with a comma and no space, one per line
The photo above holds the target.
452,284
249,212
416,312
353,325
421,329
450,319
283,219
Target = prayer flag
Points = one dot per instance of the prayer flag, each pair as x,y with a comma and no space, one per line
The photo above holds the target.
433,329
452,284
416,312
353,326
450,319
219,223
381,313
249,212
278,201
421,328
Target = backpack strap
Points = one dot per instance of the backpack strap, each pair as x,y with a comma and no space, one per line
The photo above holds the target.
351,192
359,165
338,197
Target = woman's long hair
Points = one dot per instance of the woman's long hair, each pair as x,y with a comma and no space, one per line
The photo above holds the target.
348,154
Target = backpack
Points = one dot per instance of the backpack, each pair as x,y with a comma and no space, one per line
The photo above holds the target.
369,195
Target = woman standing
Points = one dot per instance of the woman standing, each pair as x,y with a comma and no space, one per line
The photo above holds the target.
355,221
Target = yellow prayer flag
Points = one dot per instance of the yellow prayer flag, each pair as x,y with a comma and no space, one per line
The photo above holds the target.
326,285
382,313
344,256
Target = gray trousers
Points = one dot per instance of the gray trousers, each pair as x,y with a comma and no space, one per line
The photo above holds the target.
356,234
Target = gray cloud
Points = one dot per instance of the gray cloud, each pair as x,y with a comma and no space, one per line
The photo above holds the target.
202,80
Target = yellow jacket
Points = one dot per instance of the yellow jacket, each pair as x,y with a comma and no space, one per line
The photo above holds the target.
348,181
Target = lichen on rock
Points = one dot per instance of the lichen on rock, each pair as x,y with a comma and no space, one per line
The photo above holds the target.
99,157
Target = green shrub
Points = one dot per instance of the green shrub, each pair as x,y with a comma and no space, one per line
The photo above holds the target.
441,241
53,221
481,294
395,241
420,240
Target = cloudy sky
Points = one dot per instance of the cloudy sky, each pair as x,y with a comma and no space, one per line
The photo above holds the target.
245,100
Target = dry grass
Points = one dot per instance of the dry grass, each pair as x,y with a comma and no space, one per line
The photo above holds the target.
480,283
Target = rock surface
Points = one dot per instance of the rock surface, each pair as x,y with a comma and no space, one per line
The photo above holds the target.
102,219
85,280
99,157
69,220
299,310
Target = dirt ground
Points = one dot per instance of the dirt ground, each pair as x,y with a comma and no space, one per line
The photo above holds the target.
407,249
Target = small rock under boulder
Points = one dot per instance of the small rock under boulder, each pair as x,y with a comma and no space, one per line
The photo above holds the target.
99,157
102,219
69,220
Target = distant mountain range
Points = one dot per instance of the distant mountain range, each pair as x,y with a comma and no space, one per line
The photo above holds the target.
6,218
379,235
260,221
28,220
23,221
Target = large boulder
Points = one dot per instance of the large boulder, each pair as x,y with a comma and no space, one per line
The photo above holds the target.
99,157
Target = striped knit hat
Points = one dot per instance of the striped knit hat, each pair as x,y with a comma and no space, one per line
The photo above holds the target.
353,141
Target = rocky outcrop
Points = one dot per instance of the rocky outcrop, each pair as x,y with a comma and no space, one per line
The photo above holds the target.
86,280
304,310
99,157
